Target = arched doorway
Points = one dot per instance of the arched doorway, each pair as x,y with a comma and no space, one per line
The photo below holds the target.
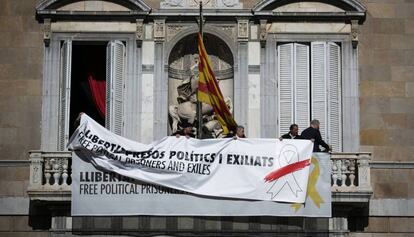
183,80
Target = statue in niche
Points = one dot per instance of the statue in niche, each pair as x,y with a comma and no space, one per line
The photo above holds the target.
185,111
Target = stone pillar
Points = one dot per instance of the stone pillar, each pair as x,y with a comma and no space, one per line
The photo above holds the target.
132,100
50,97
338,227
350,98
160,82
268,85
241,86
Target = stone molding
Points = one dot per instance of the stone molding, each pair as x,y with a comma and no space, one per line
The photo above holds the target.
391,164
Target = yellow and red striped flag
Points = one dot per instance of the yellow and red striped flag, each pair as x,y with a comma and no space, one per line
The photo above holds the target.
209,90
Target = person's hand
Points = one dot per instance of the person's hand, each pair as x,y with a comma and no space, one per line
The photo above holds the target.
313,140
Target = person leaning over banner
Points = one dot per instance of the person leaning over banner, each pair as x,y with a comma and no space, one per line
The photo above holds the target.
187,130
293,133
313,133
238,134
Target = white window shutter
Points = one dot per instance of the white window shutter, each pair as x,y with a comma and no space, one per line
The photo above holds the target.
115,64
301,88
334,99
318,84
285,86
64,84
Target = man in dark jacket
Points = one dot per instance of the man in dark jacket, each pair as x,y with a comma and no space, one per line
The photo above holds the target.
313,133
293,133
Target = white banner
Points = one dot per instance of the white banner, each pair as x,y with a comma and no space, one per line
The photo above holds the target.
256,169
102,193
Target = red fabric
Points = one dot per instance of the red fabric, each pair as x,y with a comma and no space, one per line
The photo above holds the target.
98,89
286,170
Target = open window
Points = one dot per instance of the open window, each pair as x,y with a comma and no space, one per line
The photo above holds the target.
91,81
309,87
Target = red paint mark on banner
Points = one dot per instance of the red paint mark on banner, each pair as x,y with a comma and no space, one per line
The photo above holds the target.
286,170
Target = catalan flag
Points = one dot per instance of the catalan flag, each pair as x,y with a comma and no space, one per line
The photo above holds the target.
209,90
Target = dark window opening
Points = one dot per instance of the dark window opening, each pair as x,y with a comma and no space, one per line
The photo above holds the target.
88,82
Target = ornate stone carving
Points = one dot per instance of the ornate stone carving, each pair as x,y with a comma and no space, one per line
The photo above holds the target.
47,32
159,30
229,30
173,30
263,33
230,3
172,3
354,33
139,32
243,29
218,4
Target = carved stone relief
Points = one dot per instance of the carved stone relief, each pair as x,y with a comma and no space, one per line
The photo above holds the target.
47,32
159,29
168,4
243,29
174,29
139,32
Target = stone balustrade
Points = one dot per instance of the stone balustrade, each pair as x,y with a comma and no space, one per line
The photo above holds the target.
350,172
50,174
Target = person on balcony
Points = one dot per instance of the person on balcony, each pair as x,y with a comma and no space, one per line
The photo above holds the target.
293,133
313,133
238,133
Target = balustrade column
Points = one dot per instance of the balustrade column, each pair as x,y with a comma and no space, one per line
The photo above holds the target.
36,169
364,173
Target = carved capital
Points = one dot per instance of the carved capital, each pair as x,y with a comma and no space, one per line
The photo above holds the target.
139,32
354,33
263,33
159,30
47,31
242,29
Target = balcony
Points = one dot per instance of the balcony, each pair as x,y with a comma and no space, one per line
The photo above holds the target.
50,177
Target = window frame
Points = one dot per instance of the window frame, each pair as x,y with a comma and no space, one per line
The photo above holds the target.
51,98
349,84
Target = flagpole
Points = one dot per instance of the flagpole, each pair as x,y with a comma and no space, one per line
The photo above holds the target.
199,109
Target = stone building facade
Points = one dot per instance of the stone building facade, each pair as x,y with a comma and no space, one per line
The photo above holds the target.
355,54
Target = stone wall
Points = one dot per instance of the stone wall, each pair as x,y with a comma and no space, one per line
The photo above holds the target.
386,53
20,79
386,67
20,105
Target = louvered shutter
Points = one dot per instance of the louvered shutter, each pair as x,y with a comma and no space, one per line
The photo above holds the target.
334,96
301,88
285,86
64,84
115,64
318,85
